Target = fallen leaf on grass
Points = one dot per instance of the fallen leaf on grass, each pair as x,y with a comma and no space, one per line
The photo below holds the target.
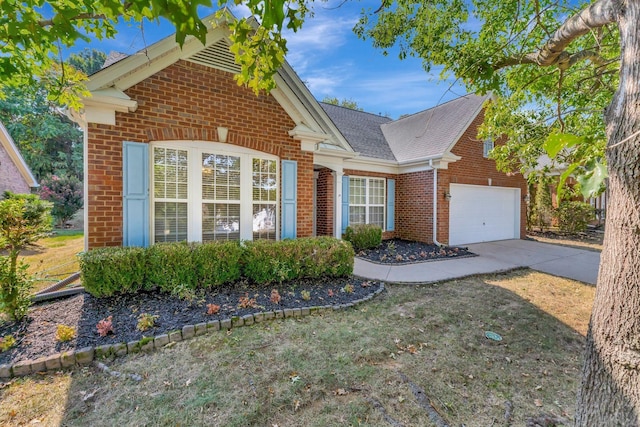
537,402
340,392
296,405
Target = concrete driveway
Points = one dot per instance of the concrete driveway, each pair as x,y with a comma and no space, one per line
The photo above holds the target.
577,264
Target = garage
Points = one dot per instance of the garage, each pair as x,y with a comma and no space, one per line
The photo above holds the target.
482,214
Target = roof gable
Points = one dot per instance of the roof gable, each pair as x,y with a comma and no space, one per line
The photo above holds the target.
14,154
432,133
362,131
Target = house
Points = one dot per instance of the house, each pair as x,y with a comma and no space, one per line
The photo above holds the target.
176,150
15,175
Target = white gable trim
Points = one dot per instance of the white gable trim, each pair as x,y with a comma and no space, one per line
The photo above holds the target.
10,146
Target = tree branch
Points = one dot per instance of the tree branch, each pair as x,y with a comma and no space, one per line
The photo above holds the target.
597,15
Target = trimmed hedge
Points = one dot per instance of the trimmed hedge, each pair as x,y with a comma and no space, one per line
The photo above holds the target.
108,271
363,236
181,268
268,261
573,217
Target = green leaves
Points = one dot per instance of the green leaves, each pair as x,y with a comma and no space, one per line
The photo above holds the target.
592,181
559,141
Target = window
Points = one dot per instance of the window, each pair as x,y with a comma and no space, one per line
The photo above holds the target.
170,191
366,201
213,191
487,147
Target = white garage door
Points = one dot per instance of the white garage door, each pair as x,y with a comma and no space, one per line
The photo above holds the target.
482,214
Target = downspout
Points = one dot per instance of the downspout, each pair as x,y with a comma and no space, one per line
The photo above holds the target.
435,203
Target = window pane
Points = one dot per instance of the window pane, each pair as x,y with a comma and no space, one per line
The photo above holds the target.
220,177
264,221
376,216
170,222
376,192
357,191
357,215
169,173
220,221
264,180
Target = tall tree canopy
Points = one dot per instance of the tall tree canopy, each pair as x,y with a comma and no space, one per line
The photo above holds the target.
556,65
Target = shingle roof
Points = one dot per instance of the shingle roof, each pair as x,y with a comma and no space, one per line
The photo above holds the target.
361,130
114,57
431,132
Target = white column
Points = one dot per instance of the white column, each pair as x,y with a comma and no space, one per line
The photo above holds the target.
337,203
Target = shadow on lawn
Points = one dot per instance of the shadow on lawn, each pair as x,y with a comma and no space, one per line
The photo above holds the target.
327,369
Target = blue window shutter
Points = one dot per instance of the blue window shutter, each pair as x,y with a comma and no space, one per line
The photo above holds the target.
289,198
345,203
391,204
135,189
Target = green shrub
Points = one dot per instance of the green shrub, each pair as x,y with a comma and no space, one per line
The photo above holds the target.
24,219
109,271
363,236
216,263
268,261
170,267
573,217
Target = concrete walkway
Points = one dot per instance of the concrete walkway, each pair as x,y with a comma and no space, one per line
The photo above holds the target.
577,264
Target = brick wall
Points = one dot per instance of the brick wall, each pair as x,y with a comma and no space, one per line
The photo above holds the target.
10,177
187,101
324,203
414,206
474,169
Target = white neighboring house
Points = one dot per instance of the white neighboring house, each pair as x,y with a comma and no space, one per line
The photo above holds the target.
15,175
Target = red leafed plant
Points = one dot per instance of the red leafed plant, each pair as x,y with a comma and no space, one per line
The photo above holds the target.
330,292
212,309
105,326
275,296
246,302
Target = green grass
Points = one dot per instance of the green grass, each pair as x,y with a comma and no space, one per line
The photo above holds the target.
323,370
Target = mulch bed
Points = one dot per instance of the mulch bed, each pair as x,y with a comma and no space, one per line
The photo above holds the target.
397,251
35,335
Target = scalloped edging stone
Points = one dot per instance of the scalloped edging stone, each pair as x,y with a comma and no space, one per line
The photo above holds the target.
86,355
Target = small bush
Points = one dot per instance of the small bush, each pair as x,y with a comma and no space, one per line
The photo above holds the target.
213,309
573,217
171,268
65,333
105,326
146,321
268,261
217,263
110,271
6,342
363,236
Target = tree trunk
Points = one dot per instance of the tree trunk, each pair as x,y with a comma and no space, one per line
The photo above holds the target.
610,389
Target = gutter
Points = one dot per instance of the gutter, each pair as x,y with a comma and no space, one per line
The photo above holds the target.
435,204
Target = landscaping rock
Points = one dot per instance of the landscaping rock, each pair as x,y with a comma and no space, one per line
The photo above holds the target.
160,341
175,336
67,359
305,311
5,371
297,312
133,347
288,312
237,321
120,349
247,319
52,362
201,329
22,368
214,325
147,344
188,331
269,315
104,351
258,317
38,365
85,355
225,324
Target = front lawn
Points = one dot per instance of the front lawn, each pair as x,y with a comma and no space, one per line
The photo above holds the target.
352,367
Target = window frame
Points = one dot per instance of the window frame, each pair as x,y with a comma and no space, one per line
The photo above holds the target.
195,199
367,205
487,145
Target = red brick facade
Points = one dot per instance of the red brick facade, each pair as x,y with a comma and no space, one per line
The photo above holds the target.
10,177
186,101
474,169
324,202
414,206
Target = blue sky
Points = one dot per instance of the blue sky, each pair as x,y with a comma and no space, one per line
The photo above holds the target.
332,61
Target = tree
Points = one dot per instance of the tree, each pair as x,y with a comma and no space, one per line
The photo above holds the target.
542,212
24,218
347,103
48,140
531,53
65,194
88,61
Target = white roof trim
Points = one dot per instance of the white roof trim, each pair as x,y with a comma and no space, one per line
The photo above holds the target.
10,146
112,98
